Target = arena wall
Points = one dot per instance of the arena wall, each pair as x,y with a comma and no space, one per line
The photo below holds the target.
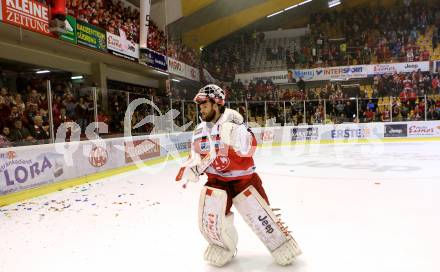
30,171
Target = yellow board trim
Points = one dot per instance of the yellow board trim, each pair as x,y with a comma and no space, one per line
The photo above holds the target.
54,187
355,141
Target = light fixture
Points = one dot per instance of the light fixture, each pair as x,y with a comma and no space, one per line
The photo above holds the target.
304,2
291,7
77,77
333,3
43,72
297,5
175,80
276,13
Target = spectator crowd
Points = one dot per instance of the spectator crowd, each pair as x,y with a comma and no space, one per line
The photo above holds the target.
400,97
114,16
353,36
24,108
364,35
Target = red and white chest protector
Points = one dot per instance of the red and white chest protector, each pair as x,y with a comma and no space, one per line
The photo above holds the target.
229,164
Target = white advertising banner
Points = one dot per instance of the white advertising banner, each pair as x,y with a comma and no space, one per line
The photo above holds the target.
277,77
120,46
192,73
404,67
329,73
423,129
370,131
176,67
358,71
184,70
27,167
32,166
93,158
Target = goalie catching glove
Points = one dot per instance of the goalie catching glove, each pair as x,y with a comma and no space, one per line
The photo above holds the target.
195,166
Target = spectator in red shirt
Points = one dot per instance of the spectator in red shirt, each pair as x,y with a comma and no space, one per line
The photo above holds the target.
369,115
404,96
425,54
413,94
435,84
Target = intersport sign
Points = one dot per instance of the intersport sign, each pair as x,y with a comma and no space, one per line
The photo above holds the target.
329,73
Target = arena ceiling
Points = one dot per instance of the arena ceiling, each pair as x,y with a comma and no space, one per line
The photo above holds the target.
206,21
211,20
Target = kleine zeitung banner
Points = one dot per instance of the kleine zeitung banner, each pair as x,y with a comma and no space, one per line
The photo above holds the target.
28,14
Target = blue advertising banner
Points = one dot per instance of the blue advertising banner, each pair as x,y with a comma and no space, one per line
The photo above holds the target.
153,59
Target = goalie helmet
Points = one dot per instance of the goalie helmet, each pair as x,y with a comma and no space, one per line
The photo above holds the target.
210,91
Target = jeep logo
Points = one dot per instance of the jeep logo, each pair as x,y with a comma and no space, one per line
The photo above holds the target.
265,224
413,66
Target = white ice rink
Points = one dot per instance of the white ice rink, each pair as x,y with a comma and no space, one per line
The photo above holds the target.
352,208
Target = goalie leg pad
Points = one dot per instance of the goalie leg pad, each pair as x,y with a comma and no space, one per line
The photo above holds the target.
219,256
268,227
217,228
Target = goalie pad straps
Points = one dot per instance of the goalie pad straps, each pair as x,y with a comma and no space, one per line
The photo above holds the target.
213,223
268,227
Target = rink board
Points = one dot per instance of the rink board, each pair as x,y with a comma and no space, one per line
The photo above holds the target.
31,171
